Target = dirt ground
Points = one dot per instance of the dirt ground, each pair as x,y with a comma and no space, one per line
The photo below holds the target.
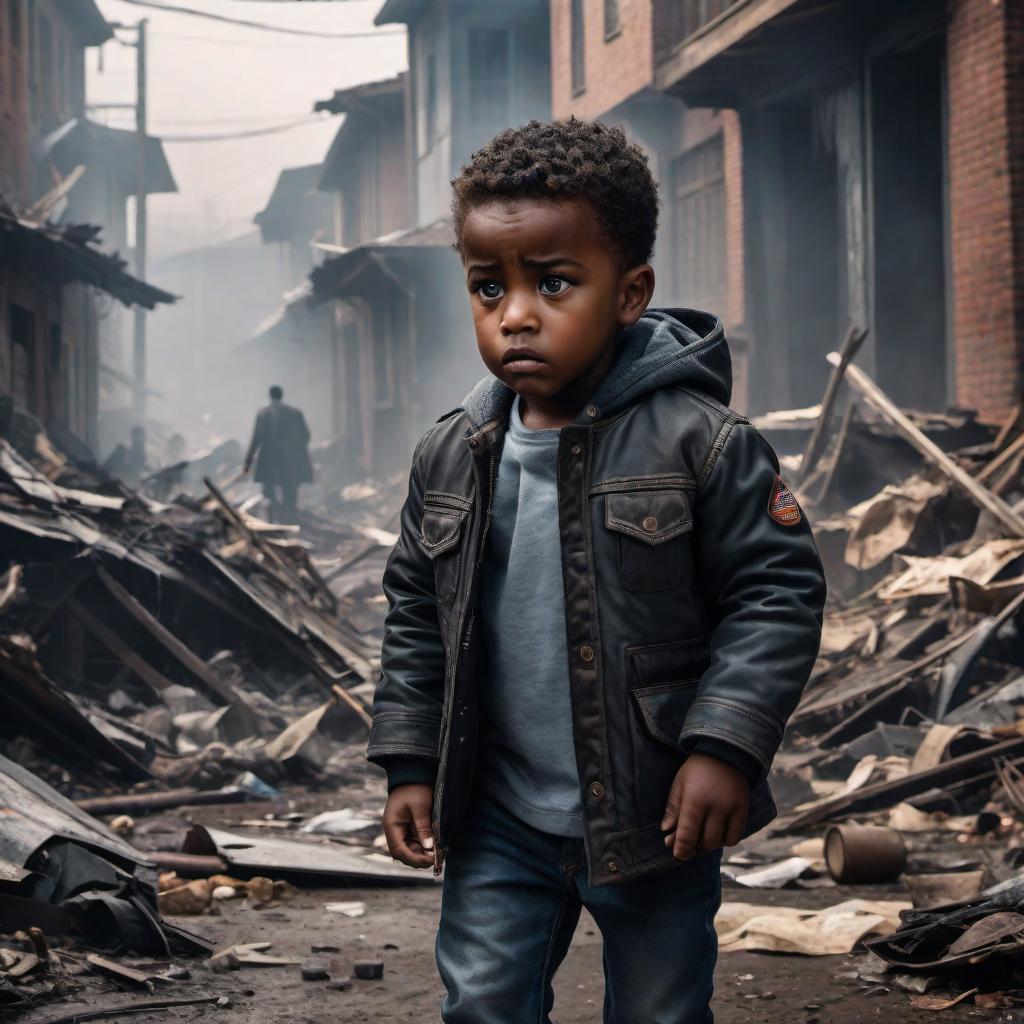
398,926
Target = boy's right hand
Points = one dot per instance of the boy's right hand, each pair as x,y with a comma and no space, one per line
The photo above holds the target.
407,825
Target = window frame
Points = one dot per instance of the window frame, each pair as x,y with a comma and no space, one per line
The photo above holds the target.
612,20
577,47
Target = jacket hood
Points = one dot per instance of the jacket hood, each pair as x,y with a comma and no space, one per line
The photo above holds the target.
664,348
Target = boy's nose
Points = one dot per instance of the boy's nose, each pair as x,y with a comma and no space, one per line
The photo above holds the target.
519,317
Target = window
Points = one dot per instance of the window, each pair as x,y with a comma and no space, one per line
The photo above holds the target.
430,113
490,77
700,225
579,67
612,21
22,325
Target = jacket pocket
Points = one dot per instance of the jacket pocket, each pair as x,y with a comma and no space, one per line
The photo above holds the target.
662,709
651,528
442,527
663,685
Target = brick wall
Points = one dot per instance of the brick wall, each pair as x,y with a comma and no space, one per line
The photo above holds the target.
616,68
986,186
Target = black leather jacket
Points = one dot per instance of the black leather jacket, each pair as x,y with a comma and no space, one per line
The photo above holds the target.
690,612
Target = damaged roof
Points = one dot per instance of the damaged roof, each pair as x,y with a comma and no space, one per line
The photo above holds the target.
86,21
335,273
81,141
63,254
362,96
366,108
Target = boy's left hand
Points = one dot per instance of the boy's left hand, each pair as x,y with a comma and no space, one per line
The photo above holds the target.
707,807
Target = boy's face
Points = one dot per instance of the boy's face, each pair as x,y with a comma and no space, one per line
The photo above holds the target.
548,295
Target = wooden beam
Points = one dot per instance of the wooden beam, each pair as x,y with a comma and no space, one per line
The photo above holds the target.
168,640
1006,455
847,352
982,496
131,659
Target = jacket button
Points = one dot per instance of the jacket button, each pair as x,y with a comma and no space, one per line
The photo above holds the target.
587,653
650,524
591,411
613,866
596,789
577,449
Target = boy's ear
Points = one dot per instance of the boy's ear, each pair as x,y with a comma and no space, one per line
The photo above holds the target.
636,291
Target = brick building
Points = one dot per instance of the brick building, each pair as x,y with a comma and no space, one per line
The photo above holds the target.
55,285
605,58
883,169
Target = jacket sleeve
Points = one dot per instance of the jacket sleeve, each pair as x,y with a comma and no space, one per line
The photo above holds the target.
408,700
304,434
764,588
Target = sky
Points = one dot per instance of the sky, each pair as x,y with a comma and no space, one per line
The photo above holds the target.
211,78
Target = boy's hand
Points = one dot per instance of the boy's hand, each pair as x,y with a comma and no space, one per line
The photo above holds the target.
407,825
707,807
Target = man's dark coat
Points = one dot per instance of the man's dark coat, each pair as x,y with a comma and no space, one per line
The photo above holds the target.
280,445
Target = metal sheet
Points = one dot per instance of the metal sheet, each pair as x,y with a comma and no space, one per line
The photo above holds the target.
282,857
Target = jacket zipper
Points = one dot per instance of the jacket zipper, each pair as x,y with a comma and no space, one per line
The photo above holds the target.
464,645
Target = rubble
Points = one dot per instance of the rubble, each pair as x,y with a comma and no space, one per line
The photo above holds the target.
912,725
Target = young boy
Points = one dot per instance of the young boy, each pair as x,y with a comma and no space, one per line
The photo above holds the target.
604,604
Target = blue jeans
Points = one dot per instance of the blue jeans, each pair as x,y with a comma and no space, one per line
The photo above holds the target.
511,901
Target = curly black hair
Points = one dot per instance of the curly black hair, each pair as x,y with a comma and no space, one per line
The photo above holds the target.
582,160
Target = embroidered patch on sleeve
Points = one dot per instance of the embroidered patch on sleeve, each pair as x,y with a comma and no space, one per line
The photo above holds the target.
783,507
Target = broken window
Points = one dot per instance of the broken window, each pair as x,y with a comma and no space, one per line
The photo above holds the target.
700,225
490,77
612,20
579,69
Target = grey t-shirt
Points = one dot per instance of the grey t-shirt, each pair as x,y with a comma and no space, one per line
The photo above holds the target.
528,760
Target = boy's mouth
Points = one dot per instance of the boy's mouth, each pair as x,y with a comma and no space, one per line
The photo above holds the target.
522,360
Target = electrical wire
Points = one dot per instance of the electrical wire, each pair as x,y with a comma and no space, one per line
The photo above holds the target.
251,134
168,8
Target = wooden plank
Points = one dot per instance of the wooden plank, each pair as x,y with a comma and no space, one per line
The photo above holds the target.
1010,452
168,640
816,442
283,568
117,647
891,792
983,497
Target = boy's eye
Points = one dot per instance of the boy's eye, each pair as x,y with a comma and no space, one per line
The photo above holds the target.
489,290
554,285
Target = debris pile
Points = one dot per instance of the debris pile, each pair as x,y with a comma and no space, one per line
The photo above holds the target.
913,721
187,642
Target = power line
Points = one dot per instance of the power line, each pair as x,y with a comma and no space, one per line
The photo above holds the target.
167,8
252,134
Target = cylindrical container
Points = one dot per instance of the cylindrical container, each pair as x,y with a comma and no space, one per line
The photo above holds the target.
864,854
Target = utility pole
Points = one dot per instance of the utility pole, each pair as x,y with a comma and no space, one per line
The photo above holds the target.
139,348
